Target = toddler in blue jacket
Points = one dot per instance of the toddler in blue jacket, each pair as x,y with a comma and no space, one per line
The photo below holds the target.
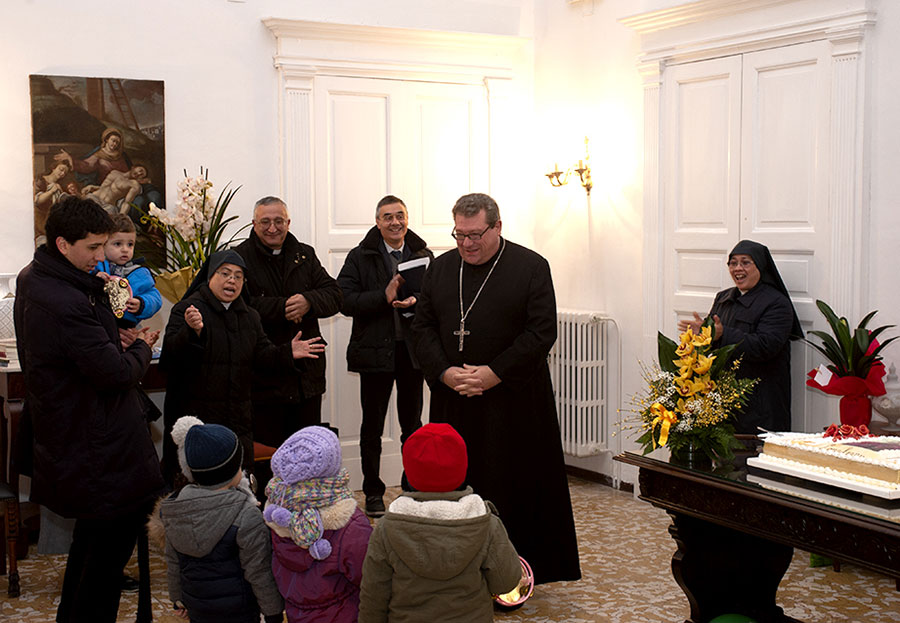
145,299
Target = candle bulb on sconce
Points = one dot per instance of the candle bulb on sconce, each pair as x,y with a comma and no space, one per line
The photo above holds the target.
560,178
557,178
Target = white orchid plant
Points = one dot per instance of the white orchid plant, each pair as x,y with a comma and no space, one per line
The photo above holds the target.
194,230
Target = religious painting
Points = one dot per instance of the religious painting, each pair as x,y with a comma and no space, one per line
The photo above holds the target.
102,138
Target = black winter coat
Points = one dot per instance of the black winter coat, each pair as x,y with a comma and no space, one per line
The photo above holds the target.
363,279
93,455
760,323
210,375
271,280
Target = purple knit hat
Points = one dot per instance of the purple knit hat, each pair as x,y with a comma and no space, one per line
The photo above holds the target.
311,452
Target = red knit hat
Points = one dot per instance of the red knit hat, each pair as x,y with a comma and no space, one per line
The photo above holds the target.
434,458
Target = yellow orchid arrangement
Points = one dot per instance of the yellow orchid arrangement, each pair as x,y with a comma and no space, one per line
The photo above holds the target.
692,396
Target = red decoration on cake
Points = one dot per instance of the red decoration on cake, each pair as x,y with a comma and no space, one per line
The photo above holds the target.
846,431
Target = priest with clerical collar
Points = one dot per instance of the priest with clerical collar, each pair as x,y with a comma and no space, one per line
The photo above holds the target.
485,322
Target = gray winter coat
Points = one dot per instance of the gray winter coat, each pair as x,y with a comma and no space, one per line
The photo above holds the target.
219,554
437,557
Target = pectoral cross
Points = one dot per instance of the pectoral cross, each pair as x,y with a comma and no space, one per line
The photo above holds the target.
462,333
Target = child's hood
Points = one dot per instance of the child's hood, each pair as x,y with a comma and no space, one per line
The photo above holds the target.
196,519
437,539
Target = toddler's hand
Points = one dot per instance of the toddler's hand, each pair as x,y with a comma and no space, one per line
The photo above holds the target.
133,305
103,275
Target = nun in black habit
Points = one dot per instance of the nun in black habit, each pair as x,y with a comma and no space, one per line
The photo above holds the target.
758,316
213,343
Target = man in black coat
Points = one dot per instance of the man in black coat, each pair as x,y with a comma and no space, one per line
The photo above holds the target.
94,459
291,290
378,348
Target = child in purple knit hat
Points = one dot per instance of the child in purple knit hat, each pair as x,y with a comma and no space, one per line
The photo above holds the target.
319,535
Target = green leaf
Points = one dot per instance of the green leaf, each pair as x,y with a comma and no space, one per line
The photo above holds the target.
846,350
666,352
723,356
862,323
832,350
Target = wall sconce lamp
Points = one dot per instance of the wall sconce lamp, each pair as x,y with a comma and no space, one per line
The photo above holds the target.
560,178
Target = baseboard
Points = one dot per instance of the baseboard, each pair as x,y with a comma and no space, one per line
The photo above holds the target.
603,479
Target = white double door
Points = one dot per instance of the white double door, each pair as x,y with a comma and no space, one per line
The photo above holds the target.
745,156
424,142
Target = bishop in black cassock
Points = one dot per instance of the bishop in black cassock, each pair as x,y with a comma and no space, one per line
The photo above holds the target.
511,430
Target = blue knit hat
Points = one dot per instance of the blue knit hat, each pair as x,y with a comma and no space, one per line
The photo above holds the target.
210,454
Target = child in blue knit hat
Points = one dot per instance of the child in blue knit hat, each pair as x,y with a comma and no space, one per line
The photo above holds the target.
217,545
319,535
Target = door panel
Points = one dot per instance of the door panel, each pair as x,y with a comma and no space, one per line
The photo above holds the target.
424,142
784,189
745,157
701,193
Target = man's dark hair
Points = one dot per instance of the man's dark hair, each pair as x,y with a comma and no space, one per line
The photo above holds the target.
472,204
386,201
75,218
122,223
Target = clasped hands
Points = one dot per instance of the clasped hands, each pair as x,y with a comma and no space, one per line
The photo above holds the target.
470,380
296,307
390,293
130,336
695,324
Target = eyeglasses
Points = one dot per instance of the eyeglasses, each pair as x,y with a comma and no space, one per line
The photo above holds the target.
266,222
742,263
227,275
459,237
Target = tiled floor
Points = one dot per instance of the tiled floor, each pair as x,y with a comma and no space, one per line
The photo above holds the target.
625,557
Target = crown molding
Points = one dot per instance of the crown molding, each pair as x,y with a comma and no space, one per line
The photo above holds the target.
700,11
710,28
322,48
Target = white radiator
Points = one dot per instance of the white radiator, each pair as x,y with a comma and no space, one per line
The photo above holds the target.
581,364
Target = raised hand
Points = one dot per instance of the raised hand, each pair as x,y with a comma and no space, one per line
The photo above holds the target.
407,302
148,336
306,349
194,319
390,292
694,325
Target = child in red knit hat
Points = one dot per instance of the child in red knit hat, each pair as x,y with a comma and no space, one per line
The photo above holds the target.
440,552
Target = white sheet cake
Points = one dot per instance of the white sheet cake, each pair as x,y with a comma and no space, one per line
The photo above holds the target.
873,460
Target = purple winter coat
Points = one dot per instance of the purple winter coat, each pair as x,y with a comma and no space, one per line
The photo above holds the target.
327,590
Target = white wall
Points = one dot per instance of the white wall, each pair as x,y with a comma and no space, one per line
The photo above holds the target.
586,82
221,112
215,57
884,154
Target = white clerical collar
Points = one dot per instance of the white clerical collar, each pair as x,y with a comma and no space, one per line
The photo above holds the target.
276,251
389,248
226,304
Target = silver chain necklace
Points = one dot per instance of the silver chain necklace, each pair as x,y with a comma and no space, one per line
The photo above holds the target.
462,333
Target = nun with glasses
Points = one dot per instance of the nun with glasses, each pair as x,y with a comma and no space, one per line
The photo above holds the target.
757,315
214,342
